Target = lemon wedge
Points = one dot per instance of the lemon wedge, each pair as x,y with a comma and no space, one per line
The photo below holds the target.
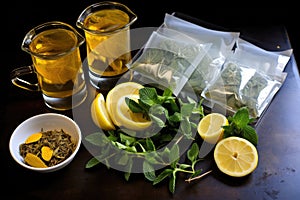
99,113
210,127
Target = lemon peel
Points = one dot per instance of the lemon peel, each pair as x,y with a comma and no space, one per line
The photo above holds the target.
128,119
117,92
34,138
100,115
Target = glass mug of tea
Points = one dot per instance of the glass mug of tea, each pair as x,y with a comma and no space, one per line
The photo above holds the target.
107,32
54,49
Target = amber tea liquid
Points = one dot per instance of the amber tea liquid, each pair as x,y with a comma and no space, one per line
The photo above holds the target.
58,66
109,50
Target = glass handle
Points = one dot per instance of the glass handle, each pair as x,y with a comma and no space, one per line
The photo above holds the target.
16,78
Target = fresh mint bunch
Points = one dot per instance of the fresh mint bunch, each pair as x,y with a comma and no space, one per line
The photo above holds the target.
175,118
239,125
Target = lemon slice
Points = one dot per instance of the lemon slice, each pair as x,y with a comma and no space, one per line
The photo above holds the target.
34,161
47,153
117,92
126,118
210,127
34,138
99,113
236,156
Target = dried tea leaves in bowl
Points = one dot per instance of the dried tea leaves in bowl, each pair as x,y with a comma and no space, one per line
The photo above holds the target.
47,148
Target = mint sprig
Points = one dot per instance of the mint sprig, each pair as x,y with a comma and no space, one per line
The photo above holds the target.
239,125
174,167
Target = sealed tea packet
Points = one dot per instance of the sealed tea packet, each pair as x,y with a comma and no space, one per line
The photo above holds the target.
271,63
222,44
250,77
168,59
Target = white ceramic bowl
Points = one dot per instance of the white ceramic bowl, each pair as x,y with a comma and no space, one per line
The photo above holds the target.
47,121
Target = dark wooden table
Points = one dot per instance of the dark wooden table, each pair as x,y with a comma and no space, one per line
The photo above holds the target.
276,177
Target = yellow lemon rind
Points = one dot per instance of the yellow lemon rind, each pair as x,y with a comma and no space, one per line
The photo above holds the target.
113,96
100,115
128,119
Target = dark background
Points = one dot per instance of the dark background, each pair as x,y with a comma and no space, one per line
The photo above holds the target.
280,128
18,17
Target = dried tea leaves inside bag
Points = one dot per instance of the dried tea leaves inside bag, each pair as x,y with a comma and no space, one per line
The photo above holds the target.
251,77
210,66
239,86
169,58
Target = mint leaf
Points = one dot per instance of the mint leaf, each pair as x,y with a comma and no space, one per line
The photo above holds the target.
162,176
250,134
98,139
193,152
239,126
174,153
123,159
228,131
172,182
241,117
172,105
184,166
186,127
157,120
149,171
196,173
92,162
187,109
149,96
167,93
128,140
128,169
152,158
150,145
134,106
175,118
127,175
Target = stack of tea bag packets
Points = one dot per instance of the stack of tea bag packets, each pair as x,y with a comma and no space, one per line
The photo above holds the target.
216,65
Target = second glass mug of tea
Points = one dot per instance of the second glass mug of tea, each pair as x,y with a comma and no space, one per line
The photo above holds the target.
107,32
54,49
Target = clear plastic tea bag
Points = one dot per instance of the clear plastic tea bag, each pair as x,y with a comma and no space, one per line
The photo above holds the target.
250,77
168,59
222,44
